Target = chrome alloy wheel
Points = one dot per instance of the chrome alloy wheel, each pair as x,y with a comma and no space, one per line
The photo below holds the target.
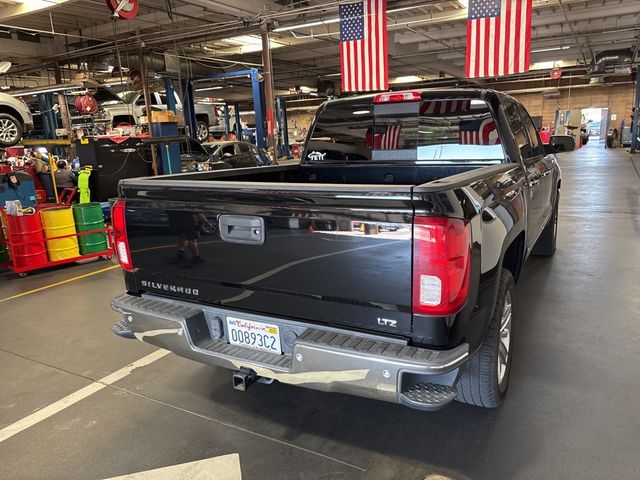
505,338
8,131
202,132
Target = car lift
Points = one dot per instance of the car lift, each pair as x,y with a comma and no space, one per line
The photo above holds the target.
253,74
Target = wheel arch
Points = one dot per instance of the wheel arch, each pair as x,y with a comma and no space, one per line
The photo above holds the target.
202,117
13,112
513,256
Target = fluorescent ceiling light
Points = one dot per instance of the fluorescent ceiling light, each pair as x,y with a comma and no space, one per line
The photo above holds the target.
251,43
217,87
550,49
308,24
406,79
332,75
547,65
361,112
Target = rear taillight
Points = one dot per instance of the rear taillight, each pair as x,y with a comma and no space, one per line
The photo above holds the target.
120,234
441,264
395,97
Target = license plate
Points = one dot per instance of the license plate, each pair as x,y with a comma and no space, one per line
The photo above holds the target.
256,335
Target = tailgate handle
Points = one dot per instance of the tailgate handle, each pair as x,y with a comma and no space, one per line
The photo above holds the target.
242,229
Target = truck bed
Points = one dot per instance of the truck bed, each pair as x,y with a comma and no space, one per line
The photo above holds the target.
353,174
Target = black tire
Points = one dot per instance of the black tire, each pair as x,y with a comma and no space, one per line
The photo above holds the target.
479,383
10,130
202,131
546,244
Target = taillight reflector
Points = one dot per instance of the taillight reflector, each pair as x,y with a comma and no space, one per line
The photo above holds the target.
441,264
120,234
395,97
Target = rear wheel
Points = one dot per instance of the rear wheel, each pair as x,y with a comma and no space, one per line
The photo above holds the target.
486,377
202,131
546,244
10,130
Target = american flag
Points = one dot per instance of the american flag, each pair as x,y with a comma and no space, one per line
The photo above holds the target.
441,107
384,138
478,132
363,46
498,37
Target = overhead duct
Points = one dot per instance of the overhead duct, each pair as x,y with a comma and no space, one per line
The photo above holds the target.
609,63
167,63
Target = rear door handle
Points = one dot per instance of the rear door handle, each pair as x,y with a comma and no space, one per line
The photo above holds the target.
534,183
242,229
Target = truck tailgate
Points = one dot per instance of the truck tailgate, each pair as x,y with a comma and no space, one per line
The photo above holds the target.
331,254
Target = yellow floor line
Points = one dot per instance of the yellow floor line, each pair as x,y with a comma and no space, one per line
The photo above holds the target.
69,280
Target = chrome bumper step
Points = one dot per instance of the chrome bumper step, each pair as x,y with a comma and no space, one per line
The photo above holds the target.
428,396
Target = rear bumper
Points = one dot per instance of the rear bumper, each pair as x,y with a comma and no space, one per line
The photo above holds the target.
326,359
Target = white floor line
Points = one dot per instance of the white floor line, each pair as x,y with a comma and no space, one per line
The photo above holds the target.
225,467
75,397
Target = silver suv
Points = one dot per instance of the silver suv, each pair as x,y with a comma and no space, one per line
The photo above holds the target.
15,120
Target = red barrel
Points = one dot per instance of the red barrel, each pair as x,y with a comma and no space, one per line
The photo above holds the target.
27,239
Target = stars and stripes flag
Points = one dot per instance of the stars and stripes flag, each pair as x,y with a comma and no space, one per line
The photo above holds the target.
363,46
498,37
478,132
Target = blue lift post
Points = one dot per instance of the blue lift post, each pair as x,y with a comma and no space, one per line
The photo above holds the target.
49,119
188,106
238,127
253,74
170,94
281,114
226,120
636,116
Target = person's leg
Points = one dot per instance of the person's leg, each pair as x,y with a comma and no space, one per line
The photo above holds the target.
181,244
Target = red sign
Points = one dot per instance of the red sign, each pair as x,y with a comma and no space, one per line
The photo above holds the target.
555,73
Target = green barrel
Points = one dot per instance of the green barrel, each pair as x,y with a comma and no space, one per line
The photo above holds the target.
88,217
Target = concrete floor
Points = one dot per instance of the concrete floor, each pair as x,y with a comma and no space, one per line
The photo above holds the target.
572,410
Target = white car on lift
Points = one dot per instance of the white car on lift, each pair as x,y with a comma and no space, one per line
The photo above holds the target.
132,109
15,120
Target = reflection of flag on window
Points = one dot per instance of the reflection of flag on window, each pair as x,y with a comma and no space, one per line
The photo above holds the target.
478,132
432,107
384,137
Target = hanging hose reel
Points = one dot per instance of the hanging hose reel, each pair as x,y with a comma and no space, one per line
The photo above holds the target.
123,9
86,104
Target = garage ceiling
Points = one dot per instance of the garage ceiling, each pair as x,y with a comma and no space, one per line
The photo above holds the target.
426,38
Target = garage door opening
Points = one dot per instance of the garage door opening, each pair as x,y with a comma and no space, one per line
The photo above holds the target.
595,121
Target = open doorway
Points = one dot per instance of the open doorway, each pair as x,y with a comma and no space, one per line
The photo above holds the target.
594,120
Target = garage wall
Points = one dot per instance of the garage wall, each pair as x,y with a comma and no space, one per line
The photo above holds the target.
619,100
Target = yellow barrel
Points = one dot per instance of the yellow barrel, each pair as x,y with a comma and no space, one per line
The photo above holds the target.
57,222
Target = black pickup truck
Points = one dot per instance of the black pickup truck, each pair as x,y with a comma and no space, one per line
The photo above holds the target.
382,266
